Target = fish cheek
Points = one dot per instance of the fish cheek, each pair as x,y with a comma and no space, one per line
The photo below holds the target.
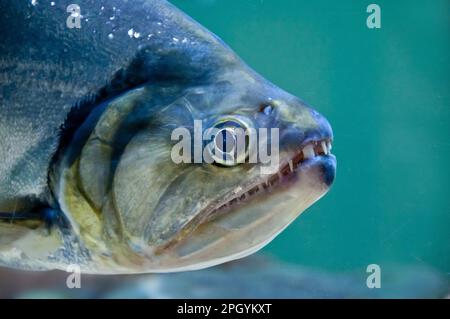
143,173
187,203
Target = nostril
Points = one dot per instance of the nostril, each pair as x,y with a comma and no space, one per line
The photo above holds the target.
315,113
267,109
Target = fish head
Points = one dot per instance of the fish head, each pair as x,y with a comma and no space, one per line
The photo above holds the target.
147,182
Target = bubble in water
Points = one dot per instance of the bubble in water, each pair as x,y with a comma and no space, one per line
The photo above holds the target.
52,3
130,32
33,2
110,36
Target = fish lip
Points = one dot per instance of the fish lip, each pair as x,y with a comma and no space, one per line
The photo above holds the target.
327,166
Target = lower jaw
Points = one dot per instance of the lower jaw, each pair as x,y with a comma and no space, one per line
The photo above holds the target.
247,229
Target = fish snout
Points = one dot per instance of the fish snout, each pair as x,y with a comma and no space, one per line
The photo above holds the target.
322,130
310,136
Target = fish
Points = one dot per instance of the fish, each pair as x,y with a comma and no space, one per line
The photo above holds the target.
88,113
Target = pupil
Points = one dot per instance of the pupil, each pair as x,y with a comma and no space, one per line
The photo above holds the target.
225,141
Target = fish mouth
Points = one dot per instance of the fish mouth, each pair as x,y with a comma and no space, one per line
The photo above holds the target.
317,151
311,154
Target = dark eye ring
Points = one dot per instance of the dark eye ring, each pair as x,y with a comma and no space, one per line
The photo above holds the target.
267,109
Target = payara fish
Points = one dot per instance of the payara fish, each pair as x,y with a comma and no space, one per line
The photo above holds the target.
90,97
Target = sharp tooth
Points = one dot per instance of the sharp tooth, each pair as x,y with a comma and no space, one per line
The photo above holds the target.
324,147
291,165
308,151
329,146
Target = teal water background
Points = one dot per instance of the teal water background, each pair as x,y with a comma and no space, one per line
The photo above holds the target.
386,93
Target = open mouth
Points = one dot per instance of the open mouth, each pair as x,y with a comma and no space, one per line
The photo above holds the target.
287,170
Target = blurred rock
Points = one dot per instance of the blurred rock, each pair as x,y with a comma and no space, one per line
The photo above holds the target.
253,277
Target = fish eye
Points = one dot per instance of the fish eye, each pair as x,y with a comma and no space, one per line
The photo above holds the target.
229,145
